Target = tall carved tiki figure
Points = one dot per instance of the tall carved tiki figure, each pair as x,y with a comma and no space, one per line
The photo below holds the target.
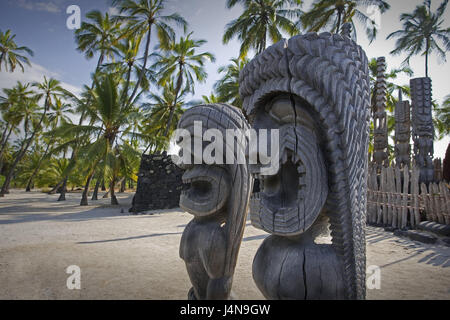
314,89
422,127
402,133
217,196
380,132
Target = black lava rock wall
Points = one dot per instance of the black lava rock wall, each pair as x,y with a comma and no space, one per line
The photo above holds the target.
159,184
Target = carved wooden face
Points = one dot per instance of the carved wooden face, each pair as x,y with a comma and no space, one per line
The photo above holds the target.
290,200
207,189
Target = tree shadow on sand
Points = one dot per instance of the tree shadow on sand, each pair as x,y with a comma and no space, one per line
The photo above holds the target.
436,255
131,238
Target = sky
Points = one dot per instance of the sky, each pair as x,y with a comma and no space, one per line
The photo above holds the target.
41,26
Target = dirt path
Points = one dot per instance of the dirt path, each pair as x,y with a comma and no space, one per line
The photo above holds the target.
122,256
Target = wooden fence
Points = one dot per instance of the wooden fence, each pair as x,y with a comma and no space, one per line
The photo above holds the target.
396,199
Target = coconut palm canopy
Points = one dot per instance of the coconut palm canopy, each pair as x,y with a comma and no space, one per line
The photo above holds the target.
262,21
423,32
12,55
332,14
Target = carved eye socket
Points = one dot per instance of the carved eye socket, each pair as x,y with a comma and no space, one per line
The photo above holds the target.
282,111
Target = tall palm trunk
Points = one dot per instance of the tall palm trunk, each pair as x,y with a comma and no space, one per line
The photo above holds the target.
36,170
6,190
263,43
5,187
172,109
74,150
56,187
84,199
95,194
130,184
62,196
141,75
21,154
3,146
339,22
114,201
127,83
106,195
122,185
2,141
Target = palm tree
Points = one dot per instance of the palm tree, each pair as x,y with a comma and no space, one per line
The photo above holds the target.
180,60
99,35
227,88
55,170
106,133
442,118
332,14
421,32
59,113
10,53
12,112
157,113
102,35
13,119
262,20
31,125
84,107
212,98
127,51
141,16
50,89
28,165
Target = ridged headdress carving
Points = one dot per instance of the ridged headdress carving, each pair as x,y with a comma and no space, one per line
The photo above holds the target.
330,73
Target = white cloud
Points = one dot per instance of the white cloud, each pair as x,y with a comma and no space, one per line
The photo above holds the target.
48,6
35,73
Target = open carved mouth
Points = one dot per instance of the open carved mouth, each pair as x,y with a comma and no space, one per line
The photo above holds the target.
205,189
197,188
277,206
290,200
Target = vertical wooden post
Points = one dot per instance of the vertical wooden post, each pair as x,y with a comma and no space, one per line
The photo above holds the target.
445,201
438,174
390,196
434,190
384,189
379,200
398,191
369,196
415,194
425,199
374,196
405,199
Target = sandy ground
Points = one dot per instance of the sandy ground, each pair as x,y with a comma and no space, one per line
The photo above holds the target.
123,256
